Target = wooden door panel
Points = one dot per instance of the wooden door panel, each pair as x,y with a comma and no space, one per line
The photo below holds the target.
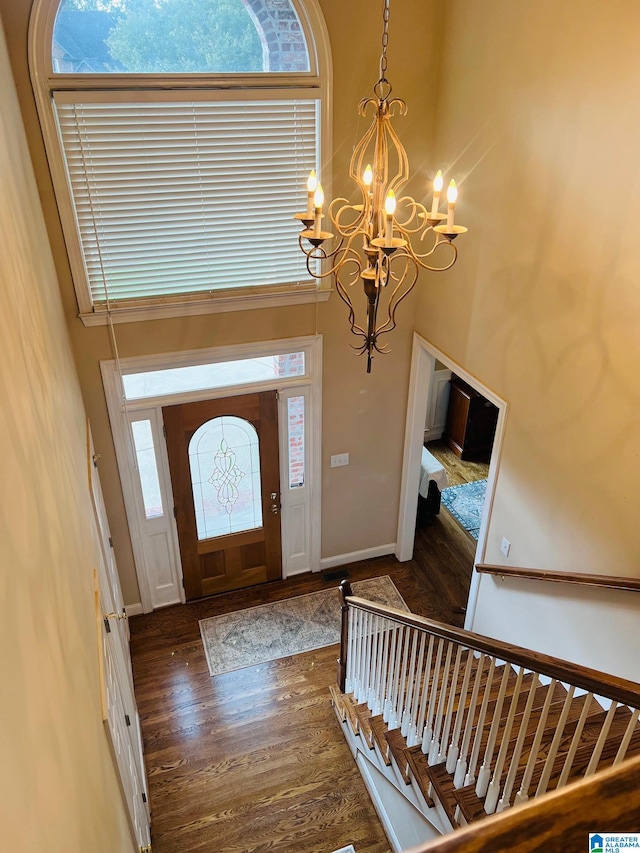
233,560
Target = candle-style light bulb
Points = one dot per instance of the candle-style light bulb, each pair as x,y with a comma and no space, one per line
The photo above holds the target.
367,177
312,183
438,183
389,209
318,201
452,197
390,203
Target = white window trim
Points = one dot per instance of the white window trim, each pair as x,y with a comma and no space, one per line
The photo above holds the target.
120,415
318,80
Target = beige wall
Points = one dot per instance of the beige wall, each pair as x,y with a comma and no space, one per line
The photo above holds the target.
359,508
58,786
538,106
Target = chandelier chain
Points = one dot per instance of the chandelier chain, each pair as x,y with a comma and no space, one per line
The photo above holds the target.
385,40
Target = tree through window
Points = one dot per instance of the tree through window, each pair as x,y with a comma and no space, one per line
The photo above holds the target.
178,37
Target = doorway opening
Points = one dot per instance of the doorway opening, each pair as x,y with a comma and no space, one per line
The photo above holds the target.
430,370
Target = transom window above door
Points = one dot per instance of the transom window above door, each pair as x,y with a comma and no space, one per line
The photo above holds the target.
180,135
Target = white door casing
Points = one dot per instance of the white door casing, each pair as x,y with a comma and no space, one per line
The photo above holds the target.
155,540
120,710
421,380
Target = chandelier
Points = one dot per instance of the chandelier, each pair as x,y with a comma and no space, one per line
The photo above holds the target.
386,238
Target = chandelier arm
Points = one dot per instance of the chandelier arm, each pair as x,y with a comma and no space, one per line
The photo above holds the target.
395,299
402,172
343,255
316,253
418,258
356,225
344,295
418,212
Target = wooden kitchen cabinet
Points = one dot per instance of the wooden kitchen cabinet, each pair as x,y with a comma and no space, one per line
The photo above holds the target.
471,422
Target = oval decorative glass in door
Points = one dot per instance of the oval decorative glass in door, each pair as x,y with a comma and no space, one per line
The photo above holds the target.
224,459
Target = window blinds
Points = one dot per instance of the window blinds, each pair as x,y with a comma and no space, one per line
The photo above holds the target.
187,197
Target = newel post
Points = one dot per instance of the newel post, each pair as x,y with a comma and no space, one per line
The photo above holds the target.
345,590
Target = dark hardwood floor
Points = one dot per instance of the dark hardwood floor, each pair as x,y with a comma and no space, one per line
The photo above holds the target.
254,760
459,471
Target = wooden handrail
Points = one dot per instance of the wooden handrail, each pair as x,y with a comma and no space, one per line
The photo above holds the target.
608,581
610,686
607,802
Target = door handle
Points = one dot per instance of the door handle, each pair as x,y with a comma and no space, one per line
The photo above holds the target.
275,509
122,615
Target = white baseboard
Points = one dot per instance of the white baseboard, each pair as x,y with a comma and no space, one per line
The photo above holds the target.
434,433
133,609
355,556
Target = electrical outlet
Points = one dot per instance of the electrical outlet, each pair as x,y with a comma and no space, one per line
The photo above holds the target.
339,459
505,546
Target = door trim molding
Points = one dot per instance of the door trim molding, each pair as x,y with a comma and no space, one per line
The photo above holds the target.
423,359
119,415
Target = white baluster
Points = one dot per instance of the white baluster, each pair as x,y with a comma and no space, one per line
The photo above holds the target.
351,651
382,687
408,698
373,660
523,793
493,791
626,740
453,688
401,659
368,651
602,739
362,675
555,744
412,733
485,771
470,777
433,695
461,764
452,754
434,747
505,800
357,649
425,689
374,702
387,711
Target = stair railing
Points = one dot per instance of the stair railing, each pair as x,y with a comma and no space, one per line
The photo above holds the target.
470,702
563,820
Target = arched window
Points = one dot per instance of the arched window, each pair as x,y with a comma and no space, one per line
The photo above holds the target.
224,458
180,135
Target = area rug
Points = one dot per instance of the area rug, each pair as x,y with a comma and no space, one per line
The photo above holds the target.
271,631
465,504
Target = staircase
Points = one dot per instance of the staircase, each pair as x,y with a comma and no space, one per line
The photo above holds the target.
463,727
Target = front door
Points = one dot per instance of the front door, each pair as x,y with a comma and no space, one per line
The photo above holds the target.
225,474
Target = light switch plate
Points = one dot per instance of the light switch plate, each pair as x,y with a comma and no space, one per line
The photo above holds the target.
339,459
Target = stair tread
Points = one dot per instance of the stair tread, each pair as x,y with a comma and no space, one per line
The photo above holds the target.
417,761
398,748
443,786
378,728
363,715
